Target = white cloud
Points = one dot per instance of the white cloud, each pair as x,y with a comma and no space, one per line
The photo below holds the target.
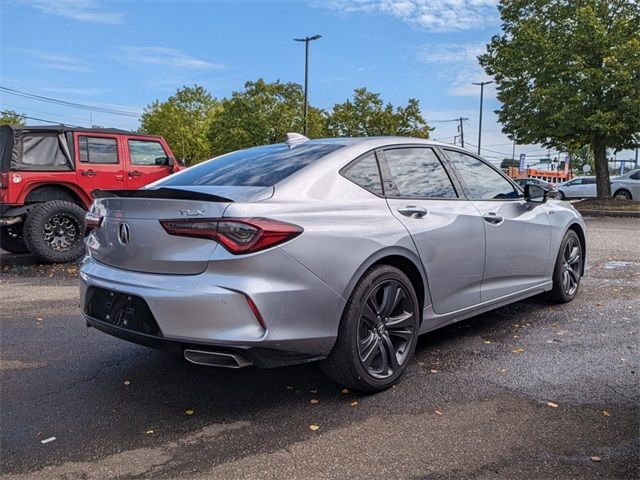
166,57
58,61
79,10
432,15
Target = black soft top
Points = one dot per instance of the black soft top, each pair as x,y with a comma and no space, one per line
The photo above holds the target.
42,148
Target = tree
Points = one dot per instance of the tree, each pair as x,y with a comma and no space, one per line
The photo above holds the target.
263,113
184,120
367,115
10,117
568,75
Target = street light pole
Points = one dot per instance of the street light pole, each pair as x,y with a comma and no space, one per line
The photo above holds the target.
482,84
306,41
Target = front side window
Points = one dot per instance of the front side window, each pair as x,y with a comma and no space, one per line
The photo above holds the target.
146,152
482,182
364,172
97,149
418,173
254,167
635,176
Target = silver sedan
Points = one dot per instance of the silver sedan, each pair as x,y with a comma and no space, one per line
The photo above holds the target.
339,250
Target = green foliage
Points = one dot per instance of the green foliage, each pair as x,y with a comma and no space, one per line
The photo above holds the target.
10,117
367,115
509,162
263,113
568,75
183,120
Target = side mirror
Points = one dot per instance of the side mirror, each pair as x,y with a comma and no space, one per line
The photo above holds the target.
171,163
535,194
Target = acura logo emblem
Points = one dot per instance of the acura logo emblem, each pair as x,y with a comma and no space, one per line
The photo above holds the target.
123,233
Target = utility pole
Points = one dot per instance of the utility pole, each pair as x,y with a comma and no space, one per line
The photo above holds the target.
461,129
513,152
306,41
636,161
482,84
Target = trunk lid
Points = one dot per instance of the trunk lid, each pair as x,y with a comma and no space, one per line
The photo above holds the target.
132,238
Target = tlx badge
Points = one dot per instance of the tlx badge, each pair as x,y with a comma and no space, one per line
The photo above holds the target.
191,213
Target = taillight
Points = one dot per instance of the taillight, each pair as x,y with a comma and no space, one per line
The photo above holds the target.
238,235
91,221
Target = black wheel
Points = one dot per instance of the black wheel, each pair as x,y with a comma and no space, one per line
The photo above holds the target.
378,332
560,195
11,239
622,193
568,269
54,231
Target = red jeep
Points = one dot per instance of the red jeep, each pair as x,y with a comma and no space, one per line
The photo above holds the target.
47,175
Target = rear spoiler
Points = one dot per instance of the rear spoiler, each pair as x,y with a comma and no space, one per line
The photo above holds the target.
164,192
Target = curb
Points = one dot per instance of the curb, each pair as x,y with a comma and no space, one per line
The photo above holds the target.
609,213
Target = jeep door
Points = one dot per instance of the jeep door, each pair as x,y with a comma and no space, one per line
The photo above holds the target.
146,159
99,161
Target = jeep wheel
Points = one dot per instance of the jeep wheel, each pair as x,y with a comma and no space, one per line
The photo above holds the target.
11,239
54,231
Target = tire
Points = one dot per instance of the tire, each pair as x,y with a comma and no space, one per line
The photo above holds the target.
623,193
568,269
54,231
371,353
561,195
11,239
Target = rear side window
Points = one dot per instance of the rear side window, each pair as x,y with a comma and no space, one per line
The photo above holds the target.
254,167
417,173
482,182
97,149
146,152
364,172
635,176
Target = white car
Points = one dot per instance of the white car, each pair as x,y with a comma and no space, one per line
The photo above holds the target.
579,187
627,186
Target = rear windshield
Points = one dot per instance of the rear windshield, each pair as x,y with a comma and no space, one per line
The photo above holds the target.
254,167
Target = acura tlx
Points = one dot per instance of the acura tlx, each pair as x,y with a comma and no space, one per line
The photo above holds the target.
340,250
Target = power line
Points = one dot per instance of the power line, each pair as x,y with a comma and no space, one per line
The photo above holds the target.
82,106
9,112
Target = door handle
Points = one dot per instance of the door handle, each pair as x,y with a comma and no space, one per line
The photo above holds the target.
88,173
413,211
493,218
135,173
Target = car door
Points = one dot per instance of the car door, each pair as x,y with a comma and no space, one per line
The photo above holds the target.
589,187
447,230
517,232
99,162
147,161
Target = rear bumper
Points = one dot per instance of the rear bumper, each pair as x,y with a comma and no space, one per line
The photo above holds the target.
211,311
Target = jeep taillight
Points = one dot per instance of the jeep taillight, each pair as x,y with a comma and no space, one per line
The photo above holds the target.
238,235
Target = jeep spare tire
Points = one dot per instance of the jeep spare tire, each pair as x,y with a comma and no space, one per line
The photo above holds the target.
11,239
54,231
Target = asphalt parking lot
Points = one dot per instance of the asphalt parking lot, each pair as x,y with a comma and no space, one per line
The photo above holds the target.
533,390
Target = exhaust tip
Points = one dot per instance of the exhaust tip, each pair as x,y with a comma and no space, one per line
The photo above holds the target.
216,359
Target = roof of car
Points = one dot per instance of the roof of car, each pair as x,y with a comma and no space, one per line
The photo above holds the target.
67,128
381,141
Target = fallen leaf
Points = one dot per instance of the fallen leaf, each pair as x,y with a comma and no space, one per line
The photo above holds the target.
47,440
313,401
289,387
433,370
188,411
354,404
503,370
487,341
596,459
150,432
313,427
344,391
438,412
518,350
605,413
552,405
127,382
38,319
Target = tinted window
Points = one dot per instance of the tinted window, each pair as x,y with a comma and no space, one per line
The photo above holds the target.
417,173
589,181
145,152
635,176
482,182
365,173
254,167
98,150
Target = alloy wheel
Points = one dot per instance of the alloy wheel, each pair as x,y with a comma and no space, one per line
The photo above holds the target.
571,266
61,232
386,329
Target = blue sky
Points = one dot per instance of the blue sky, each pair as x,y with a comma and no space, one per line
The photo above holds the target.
123,55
